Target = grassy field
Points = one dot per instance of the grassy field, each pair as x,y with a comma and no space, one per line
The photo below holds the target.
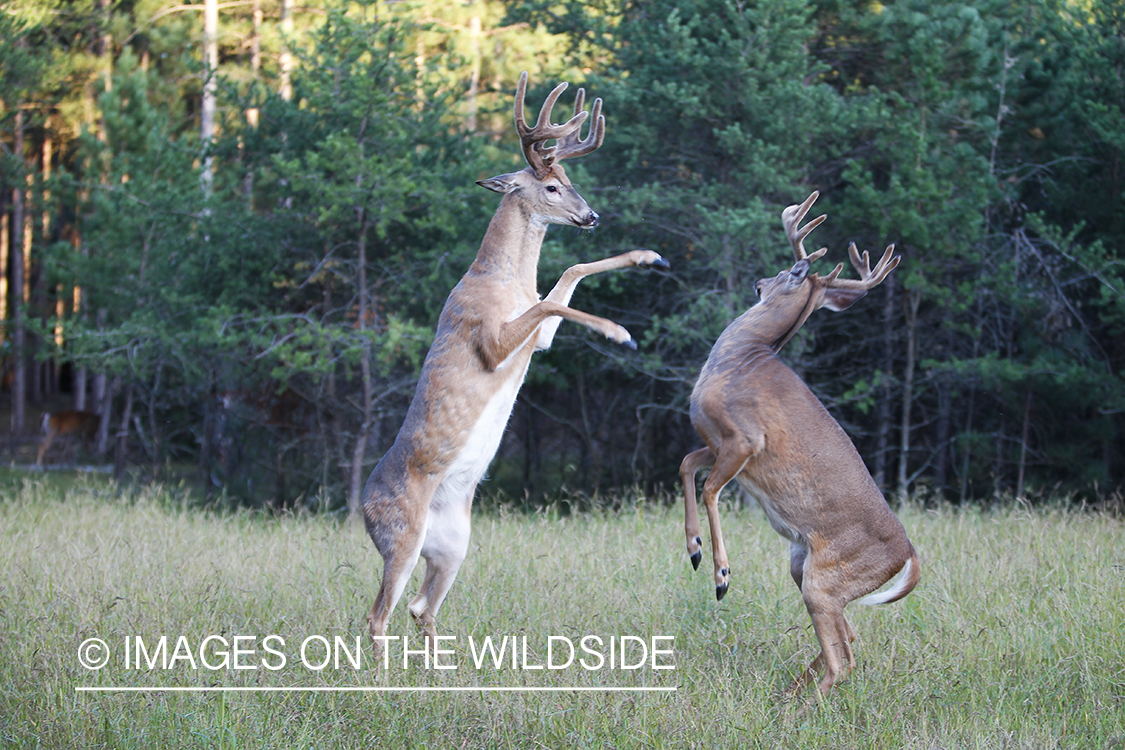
1014,638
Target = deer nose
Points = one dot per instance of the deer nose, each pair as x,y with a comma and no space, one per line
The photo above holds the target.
591,219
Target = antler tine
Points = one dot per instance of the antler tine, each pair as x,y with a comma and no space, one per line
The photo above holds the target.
868,278
571,146
540,157
835,272
791,217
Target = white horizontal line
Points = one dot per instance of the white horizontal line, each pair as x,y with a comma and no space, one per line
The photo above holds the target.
424,689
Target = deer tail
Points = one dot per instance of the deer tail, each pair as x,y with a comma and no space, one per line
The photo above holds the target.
907,579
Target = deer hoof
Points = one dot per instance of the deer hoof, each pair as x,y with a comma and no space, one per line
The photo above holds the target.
631,344
660,263
723,580
696,557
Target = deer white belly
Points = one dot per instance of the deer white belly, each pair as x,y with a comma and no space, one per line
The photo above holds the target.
480,446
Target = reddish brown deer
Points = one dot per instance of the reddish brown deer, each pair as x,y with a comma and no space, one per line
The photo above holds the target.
62,423
417,501
766,430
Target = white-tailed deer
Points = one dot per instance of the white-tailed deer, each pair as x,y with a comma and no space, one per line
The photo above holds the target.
418,499
81,423
766,430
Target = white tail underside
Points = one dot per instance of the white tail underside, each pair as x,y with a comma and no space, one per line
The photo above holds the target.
882,597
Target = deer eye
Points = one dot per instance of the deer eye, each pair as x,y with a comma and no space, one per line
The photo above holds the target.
552,189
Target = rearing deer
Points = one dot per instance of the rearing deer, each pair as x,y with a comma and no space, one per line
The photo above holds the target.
765,429
417,500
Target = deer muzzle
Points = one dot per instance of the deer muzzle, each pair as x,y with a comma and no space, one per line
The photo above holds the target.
589,221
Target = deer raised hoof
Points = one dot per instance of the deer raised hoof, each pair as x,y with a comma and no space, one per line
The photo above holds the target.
766,430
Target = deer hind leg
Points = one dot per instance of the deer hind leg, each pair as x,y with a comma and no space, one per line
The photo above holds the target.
690,466
444,547
834,634
398,534
398,564
732,456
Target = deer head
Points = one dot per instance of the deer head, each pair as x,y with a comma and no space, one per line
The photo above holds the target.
542,188
788,299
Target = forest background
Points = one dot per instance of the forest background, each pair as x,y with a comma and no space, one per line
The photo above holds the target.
229,227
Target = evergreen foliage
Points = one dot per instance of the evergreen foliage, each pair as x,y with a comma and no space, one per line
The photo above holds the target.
264,335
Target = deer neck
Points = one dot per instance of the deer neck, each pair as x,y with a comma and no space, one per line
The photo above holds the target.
509,252
769,326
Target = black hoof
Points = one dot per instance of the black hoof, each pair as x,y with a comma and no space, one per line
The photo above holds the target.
720,592
695,558
630,344
662,264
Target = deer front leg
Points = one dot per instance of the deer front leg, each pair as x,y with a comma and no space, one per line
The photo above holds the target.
43,448
690,466
568,282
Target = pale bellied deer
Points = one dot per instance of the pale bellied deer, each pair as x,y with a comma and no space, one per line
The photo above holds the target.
81,423
765,429
417,501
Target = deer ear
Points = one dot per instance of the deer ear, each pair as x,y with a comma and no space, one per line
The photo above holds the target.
841,299
504,183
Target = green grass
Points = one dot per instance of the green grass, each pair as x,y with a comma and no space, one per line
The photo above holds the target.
1014,638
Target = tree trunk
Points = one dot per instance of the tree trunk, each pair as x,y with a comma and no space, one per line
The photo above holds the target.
883,442
105,409
206,444
19,341
35,294
5,249
913,299
78,375
252,113
99,388
965,459
531,442
285,59
210,90
355,488
474,71
154,423
941,460
998,469
1023,443
123,436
